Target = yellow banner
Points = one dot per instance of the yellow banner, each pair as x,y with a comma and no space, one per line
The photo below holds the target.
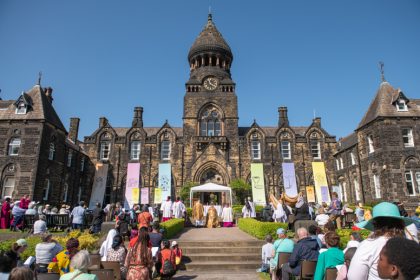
135,194
310,194
158,196
321,184
257,181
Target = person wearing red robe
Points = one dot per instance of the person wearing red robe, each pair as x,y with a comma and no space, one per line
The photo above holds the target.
5,214
24,202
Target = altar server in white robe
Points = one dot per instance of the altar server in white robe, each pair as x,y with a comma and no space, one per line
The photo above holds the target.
246,210
166,209
253,214
279,214
227,216
178,208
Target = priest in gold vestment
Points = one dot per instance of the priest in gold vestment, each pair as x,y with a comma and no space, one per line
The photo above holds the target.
212,217
198,213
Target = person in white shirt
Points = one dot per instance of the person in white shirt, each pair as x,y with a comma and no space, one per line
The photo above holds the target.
252,204
78,214
166,208
354,242
31,209
266,254
40,226
385,224
279,214
246,210
322,218
227,216
178,208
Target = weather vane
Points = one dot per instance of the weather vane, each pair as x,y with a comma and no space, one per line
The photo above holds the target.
381,68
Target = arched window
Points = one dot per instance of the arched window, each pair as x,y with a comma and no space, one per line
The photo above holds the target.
412,176
210,123
165,150
51,151
8,187
105,150
14,146
46,190
356,188
135,150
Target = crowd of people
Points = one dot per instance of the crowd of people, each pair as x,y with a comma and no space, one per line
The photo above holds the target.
391,251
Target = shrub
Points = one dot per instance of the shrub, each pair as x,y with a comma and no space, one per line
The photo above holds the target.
259,229
185,192
241,189
345,235
172,227
189,212
86,240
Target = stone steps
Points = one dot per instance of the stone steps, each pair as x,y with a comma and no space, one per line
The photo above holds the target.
246,274
223,265
224,244
225,257
214,250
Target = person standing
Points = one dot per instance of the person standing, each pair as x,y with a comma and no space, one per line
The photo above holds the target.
5,214
252,204
18,214
198,213
178,209
24,202
247,209
78,214
98,218
227,216
166,208
212,217
335,209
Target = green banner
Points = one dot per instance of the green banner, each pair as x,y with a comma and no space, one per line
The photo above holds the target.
257,181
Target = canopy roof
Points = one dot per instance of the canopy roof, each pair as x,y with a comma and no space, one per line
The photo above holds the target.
211,187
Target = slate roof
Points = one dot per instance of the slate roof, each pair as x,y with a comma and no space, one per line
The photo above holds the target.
347,142
209,39
383,105
271,130
41,109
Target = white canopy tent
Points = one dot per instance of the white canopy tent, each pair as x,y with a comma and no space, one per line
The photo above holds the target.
211,187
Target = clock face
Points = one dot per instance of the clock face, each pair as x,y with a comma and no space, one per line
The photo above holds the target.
210,83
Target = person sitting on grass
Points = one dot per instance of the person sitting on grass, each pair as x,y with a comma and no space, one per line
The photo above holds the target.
399,259
331,257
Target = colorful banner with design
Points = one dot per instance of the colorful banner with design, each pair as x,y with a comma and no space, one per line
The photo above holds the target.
158,196
289,179
144,196
310,194
257,180
99,185
132,185
321,184
165,180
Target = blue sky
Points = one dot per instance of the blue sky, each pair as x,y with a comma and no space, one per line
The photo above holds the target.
103,58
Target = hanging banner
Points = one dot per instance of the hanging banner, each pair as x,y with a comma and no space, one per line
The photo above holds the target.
320,178
132,185
158,196
289,179
338,190
99,185
165,180
310,194
257,180
144,196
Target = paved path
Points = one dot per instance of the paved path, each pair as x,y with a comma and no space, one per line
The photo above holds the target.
214,234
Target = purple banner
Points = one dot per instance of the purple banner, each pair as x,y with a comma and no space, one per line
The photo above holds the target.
324,194
144,196
132,185
289,179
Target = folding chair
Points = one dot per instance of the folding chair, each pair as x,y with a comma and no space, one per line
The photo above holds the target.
331,273
115,266
282,259
307,270
103,274
48,276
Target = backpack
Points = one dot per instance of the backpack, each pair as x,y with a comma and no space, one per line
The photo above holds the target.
168,268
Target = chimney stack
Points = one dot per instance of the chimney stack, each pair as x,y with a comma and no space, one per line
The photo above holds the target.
138,117
74,129
102,122
317,121
48,92
283,119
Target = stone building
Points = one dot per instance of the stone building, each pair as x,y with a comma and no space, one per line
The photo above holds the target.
380,159
37,155
210,146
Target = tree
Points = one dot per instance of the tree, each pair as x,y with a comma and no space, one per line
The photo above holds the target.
185,192
241,189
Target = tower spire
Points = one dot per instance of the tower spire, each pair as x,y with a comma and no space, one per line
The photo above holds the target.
381,68
39,78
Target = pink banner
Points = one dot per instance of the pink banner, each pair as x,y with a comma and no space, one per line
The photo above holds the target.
144,196
132,185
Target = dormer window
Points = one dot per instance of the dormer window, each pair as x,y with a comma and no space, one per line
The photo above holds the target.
21,109
401,105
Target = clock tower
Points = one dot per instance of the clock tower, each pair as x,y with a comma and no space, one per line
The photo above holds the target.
210,103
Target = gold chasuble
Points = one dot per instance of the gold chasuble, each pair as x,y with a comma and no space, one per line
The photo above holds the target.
212,218
198,211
